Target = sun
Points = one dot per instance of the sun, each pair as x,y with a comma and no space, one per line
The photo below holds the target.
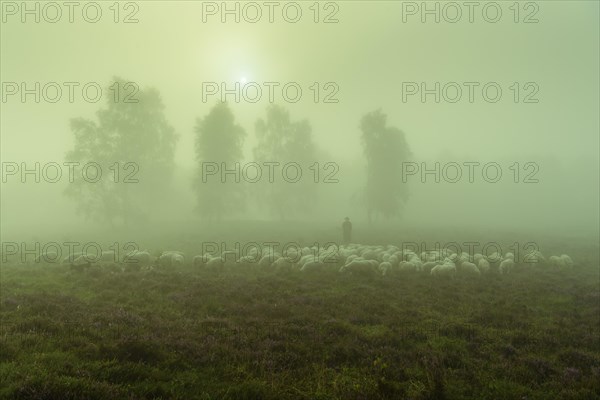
243,80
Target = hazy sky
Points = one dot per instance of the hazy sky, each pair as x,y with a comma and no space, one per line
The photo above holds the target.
369,53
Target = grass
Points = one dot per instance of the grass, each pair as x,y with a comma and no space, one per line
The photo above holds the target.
254,334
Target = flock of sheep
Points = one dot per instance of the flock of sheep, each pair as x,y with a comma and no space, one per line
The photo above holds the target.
353,258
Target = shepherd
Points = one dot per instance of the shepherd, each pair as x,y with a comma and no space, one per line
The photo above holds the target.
347,230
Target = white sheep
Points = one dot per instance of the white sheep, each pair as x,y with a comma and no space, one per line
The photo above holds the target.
510,255
556,261
178,260
407,266
483,265
429,265
494,258
351,257
312,266
370,255
568,262
171,259
391,248
468,267
306,251
416,261
283,263
359,266
506,266
330,255
447,268
407,255
138,258
477,257
267,260
434,256
385,267
464,257
305,259
564,261
533,257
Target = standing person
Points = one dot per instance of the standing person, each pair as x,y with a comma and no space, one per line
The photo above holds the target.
347,230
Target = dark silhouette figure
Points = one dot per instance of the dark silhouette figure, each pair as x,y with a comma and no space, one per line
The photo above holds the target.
347,230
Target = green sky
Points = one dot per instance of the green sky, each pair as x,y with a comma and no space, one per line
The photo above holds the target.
368,54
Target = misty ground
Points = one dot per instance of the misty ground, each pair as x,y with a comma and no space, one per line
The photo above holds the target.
185,333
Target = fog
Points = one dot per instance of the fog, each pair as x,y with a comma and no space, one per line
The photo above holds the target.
367,58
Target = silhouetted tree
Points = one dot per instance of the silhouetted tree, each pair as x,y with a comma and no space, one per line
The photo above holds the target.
219,145
285,142
385,148
133,145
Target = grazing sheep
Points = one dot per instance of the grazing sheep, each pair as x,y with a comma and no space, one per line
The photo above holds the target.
464,257
483,264
177,260
447,268
568,262
267,260
533,257
330,255
370,255
506,266
407,266
138,258
468,267
104,258
555,261
434,256
407,255
171,259
416,261
351,257
307,258
385,267
494,258
358,266
510,255
283,263
477,257
312,266
561,262
429,265
305,251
